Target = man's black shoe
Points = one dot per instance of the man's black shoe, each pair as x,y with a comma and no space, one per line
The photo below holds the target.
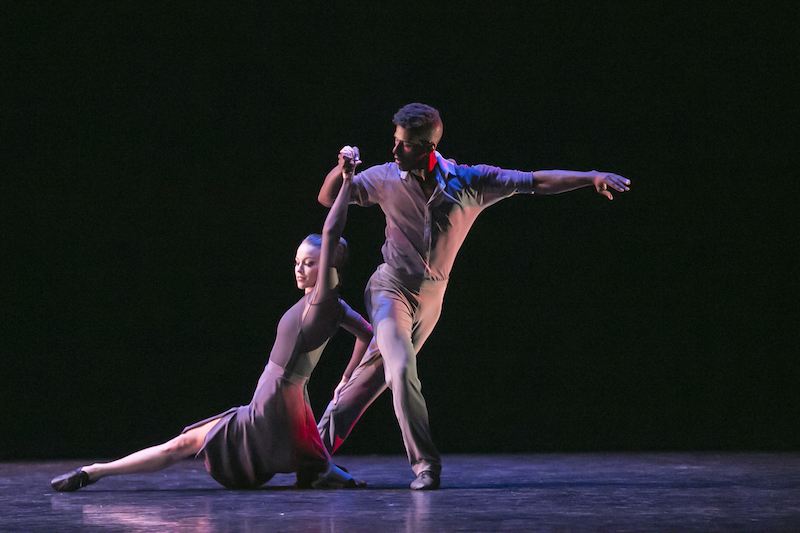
426,480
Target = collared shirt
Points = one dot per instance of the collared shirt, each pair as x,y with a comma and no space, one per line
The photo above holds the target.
423,235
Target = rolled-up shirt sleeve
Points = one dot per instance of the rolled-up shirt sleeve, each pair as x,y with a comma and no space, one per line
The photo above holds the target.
368,185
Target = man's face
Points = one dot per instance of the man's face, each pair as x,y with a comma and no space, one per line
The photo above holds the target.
410,151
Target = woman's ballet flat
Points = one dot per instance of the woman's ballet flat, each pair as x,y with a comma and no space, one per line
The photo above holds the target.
71,481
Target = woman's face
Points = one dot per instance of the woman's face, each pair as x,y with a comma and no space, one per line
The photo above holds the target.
306,266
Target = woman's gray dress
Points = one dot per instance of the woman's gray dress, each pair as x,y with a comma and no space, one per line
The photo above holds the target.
276,431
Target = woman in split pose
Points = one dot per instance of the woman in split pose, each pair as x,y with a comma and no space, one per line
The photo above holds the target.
244,447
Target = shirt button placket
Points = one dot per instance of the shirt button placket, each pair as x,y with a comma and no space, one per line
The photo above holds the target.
428,234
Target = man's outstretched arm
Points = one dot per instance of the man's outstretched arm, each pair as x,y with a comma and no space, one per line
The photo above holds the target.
557,181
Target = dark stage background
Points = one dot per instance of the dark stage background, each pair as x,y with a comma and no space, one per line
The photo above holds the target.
160,166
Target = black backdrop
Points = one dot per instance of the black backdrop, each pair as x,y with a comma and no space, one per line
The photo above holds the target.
160,165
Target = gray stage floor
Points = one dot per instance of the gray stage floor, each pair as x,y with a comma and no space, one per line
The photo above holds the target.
536,492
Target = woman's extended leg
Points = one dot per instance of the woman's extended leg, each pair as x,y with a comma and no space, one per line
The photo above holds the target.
150,459
154,458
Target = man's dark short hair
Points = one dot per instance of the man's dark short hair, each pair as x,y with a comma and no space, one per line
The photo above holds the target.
417,117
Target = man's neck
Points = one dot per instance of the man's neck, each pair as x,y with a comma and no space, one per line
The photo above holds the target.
427,171
422,174
426,179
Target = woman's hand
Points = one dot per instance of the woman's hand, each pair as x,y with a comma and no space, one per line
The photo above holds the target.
338,390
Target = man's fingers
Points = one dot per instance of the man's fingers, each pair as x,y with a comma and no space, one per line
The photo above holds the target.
612,181
618,182
602,188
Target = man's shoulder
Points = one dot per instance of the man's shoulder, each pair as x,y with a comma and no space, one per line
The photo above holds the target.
385,169
379,173
450,168
462,172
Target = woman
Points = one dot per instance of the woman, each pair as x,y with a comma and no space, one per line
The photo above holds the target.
245,446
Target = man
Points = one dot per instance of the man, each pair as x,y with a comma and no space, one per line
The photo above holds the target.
430,204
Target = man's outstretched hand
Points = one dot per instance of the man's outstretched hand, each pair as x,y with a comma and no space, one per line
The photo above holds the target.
604,181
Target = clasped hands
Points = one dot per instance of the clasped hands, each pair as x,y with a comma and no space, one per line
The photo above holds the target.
349,158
